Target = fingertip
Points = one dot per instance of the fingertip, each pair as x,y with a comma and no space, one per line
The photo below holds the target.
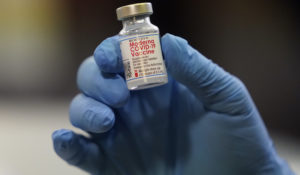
171,40
97,121
91,115
108,55
108,88
174,49
62,140
78,151
85,72
115,92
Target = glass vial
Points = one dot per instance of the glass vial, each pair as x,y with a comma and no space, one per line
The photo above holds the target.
140,46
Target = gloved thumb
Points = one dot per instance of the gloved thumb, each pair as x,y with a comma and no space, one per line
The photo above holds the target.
216,88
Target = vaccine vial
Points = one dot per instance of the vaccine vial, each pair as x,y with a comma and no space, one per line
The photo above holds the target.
140,47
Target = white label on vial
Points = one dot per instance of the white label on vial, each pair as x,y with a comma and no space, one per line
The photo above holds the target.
142,57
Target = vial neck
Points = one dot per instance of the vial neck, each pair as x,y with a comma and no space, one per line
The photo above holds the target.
136,20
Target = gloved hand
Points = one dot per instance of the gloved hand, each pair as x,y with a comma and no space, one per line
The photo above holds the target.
202,122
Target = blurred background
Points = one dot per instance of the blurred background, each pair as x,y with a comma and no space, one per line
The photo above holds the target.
42,43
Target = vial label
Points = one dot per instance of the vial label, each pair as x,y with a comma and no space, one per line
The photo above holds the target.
142,57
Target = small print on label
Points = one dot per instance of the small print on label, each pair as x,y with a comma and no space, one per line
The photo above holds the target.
142,56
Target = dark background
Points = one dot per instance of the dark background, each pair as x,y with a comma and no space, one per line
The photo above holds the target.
258,41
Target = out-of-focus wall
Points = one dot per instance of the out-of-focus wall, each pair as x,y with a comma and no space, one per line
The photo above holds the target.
34,47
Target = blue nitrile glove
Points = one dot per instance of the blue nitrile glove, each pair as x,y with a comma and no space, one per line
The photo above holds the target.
203,122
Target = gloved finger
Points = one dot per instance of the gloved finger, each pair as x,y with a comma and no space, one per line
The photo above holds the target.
108,55
108,88
91,115
78,151
219,91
